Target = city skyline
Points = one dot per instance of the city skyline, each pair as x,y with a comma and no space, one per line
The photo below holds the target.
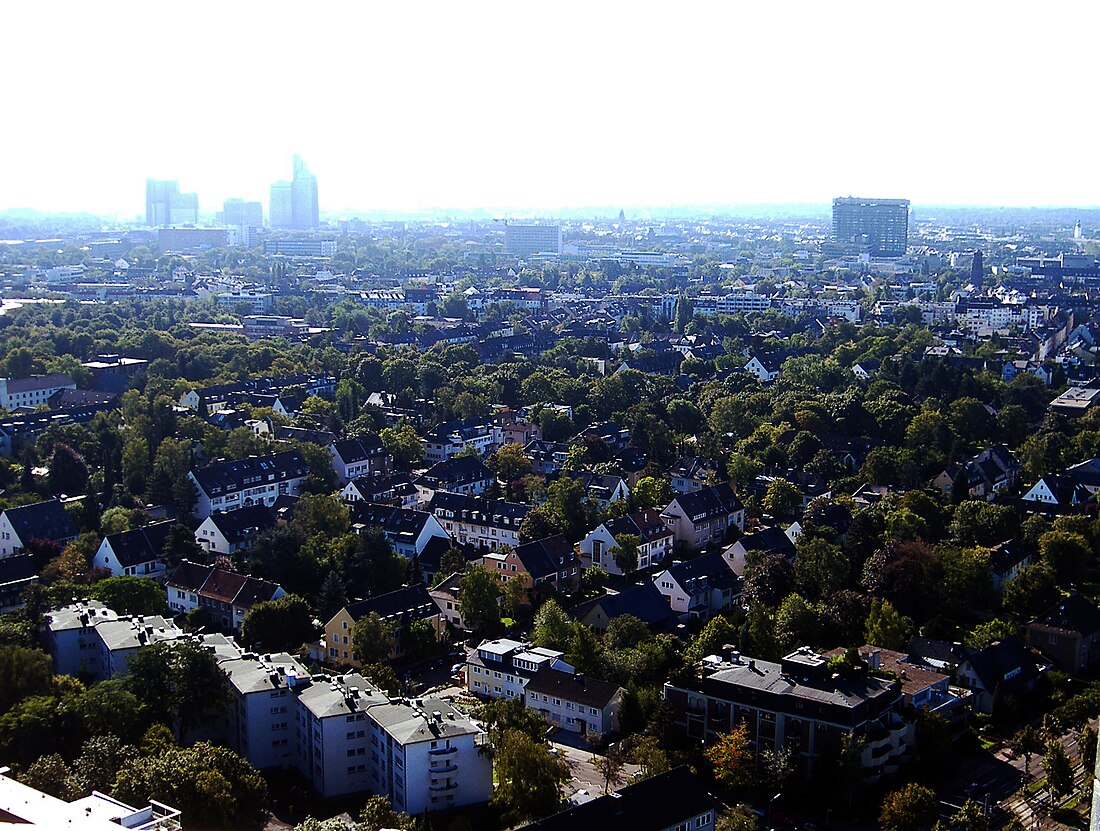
458,110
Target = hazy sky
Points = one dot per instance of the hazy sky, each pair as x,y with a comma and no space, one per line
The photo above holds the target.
539,105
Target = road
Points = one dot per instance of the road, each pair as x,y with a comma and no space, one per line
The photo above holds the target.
586,783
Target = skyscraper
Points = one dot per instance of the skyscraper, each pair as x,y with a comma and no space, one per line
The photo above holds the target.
526,240
294,204
880,224
165,205
239,212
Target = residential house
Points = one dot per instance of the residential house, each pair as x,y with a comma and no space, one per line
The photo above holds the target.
611,433
395,489
866,369
798,704
643,601
921,686
446,597
40,521
602,488
993,470
691,473
361,456
1058,492
520,432
482,523
765,541
138,553
409,532
699,589
765,368
1002,669
400,608
551,561
574,702
703,517
227,532
221,396
1068,633
225,595
460,474
502,668
452,437
642,806
257,480
1008,559
656,541
547,457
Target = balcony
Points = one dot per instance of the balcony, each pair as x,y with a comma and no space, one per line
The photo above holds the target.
442,767
443,786
442,751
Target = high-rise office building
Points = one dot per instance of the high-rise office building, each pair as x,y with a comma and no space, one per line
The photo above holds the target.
880,224
294,204
246,214
165,205
528,240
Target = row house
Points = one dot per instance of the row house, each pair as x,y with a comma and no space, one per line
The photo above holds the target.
400,608
227,532
574,702
408,531
461,474
691,473
703,517
396,489
225,595
360,456
700,588
484,524
547,457
597,548
219,396
452,437
502,668
257,480
551,562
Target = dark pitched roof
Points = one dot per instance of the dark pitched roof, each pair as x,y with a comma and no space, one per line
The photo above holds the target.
41,521
709,568
572,687
141,545
1072,614
547,556
243,523
407,604
643,601
648,525
391,519
769,540
231,476
360,448
18,568
659,802
709,502
1008,554
459,470
220,584
1006,662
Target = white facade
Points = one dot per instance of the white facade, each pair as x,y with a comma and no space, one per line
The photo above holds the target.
256,493
762,373
32,392
106,559
502,668
596,550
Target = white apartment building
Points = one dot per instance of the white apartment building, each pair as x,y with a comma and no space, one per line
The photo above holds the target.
32,392
502,668
257,480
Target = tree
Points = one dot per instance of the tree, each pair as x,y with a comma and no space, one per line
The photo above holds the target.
988,633
378,813
539,524
610,767
1066,554
983,523
651,492
684,313
529,777
1058,768
910,808
280,625
509,463
403,444
739,818
178,683
625,552
717,633
321,514
1031,591
129,595
732,758
970,817
887,627
768,580
23,672
372,639
168,481
1027,742
211,784
820,568
552,629
781,499
584,650
68,471
1086,745
478,600
504,714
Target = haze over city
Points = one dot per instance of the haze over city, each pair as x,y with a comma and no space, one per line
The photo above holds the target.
540,109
